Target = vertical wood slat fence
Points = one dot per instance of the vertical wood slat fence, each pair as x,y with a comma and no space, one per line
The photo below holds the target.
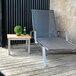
18,12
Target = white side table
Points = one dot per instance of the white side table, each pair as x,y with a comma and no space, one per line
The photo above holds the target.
22,37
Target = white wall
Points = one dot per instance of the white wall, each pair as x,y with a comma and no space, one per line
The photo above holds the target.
65,15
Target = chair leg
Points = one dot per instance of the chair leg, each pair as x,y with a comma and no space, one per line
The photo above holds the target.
44,56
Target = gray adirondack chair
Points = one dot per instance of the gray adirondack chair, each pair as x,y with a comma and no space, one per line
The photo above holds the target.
45,32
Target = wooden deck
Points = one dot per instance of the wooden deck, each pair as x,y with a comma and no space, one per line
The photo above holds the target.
20,63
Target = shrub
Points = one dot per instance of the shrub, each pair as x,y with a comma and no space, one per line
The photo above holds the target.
18,30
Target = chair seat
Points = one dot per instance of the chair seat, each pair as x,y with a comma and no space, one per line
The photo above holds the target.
56,43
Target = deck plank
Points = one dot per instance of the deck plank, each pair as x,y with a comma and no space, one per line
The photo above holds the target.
20,63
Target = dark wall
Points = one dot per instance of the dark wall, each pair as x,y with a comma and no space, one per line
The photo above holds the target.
4,23
18,12
0,22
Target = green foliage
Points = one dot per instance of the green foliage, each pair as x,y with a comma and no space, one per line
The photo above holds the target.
18,29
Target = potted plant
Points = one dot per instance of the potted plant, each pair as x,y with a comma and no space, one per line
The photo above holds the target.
18,30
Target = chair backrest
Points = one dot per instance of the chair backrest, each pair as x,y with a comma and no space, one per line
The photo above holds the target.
44,23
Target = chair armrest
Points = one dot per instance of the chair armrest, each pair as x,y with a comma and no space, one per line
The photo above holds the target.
34,32
66,34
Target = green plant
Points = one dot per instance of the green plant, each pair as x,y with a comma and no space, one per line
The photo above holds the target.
18,30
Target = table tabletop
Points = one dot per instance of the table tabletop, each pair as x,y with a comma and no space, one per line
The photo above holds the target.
14,36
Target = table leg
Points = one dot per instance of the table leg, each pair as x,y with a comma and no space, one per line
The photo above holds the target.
9,46
29,46
26,44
